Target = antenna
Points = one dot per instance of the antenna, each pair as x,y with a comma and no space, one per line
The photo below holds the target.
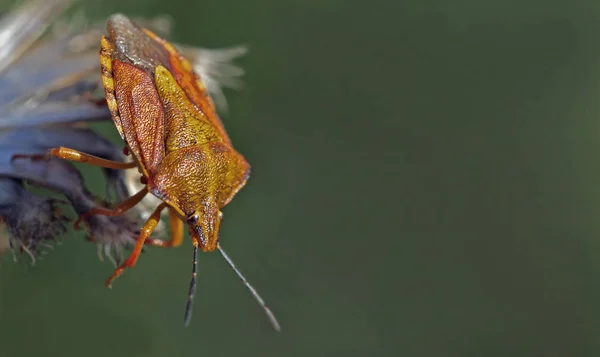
190,302
254,293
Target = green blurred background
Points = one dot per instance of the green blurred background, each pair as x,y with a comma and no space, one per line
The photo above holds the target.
425,183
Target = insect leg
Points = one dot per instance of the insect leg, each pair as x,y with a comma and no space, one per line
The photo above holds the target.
117,210
176,233
146,231
78,156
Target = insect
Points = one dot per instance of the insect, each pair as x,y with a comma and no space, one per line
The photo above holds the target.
168,121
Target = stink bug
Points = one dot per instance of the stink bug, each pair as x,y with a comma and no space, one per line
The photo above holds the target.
168,121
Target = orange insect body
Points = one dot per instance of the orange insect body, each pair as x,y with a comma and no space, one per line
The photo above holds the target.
166,117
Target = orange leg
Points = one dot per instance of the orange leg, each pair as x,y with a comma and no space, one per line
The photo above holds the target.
146,231
117,211
78,156
176,233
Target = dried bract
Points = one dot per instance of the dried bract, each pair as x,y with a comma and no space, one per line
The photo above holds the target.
33,222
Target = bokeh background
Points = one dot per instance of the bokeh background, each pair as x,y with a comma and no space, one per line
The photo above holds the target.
425,183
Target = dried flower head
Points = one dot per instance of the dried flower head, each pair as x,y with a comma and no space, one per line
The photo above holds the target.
33,222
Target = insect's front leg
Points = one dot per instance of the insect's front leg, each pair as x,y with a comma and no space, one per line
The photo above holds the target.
176,233
146,231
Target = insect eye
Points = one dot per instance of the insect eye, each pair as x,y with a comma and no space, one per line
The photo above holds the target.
193,219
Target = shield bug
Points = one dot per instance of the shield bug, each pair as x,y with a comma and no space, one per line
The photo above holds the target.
168,121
